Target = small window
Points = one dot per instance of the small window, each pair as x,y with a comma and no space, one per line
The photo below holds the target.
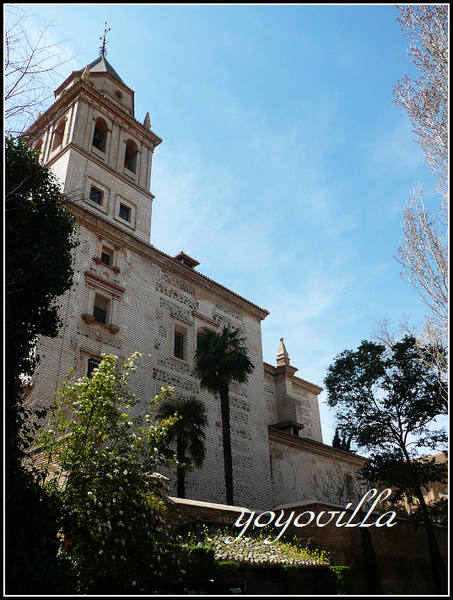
100,134
130,157
101,308
59,134
125,212
105,258
92,364
118,94
96,196
179,345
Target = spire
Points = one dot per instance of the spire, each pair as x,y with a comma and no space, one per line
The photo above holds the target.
102,49
282,354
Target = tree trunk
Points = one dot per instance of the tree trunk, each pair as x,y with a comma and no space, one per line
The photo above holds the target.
438,567
226,435
180,471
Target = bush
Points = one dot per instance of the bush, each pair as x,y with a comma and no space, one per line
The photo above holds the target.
226,570
99,467
291,579
341,579
200,563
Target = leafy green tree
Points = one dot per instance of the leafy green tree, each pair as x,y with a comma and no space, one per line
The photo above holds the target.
388,399
343,443
100,463
222,357
39,238
187,432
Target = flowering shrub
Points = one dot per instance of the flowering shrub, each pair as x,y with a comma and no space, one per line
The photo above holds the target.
100,465
252,551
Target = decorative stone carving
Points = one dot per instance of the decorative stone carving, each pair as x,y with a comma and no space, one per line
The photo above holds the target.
174,294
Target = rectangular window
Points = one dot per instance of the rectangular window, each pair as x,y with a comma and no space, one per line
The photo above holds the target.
101,308
99,139
125,212
105,258
179,345
96,196
92,364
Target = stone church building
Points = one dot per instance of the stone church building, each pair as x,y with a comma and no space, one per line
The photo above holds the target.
128,296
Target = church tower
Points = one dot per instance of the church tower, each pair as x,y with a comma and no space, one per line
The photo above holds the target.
100,153
128,296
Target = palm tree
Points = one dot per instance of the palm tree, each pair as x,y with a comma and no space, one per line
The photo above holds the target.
187,432
222,357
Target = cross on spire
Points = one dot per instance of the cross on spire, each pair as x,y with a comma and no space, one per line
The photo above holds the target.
102,49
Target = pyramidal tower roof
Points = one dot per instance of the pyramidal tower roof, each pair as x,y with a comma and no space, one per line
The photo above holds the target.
102,65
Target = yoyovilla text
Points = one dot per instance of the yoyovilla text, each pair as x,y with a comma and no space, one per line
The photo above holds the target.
321,519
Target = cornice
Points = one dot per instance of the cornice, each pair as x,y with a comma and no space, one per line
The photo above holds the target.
92,279
89,217
315,447
76,91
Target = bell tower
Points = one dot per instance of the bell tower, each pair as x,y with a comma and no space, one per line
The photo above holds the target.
100,153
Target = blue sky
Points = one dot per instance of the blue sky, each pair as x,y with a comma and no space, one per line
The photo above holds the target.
284,167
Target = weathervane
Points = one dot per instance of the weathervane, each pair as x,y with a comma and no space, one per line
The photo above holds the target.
102,50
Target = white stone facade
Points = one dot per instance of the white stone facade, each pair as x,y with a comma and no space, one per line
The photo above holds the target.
103,157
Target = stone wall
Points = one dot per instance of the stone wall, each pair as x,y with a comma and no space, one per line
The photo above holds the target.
402,550
150,295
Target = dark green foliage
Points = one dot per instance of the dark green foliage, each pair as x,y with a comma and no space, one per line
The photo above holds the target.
38,269
388,400
31,528
342,578
199,563
290,579
341,442
187,432
371,571
437,510
226,570
39,238
222,357
410,476
102,459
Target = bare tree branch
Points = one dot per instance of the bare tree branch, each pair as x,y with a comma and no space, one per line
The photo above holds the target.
424,251
31,68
